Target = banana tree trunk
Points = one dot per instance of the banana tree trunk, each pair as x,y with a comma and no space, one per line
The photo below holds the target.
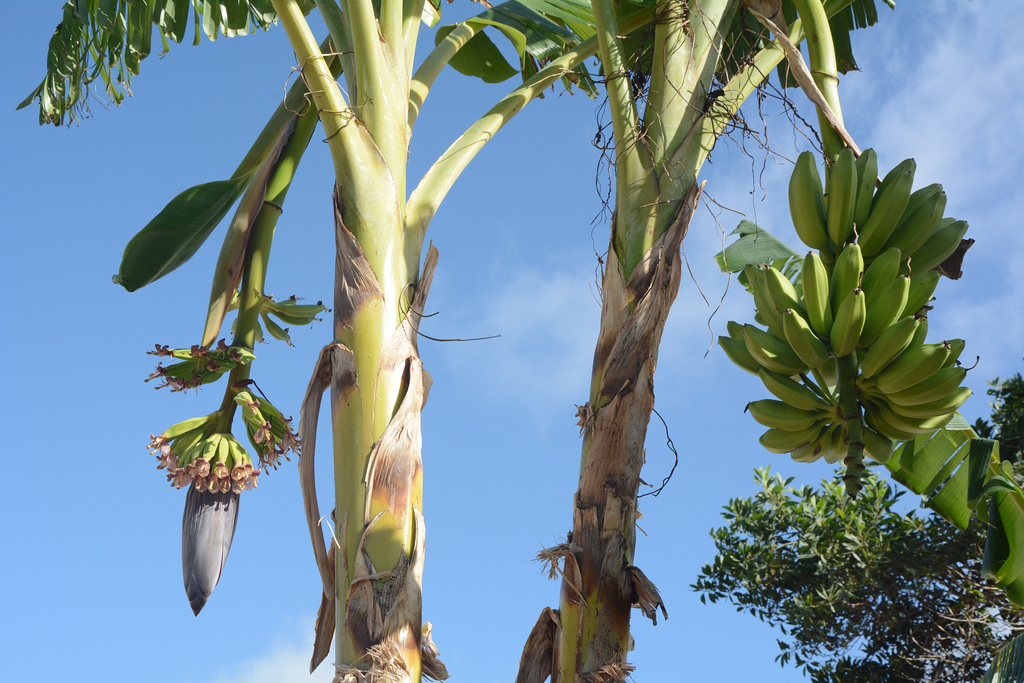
600,581
378,389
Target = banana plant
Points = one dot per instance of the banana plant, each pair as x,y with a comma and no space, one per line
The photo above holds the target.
372,566
673,89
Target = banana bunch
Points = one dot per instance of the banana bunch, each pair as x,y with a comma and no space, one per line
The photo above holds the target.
843,349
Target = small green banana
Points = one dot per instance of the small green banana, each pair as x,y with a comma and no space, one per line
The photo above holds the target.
876,446
781,415
889,344
912,366
921,336
842,198
940,246
887,207
941,383
785,441
944,405
882,270
790,391
781,291
771,352
836,448
922,287
807,203
846,275
736,350
913,425
877,421
919,221
884,310
816,294
766,308
849,323
811,350
956,347
813,451
867,178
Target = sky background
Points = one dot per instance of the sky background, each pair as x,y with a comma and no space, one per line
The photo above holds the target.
91,575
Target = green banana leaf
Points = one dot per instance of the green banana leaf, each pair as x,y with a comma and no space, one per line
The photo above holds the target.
1008,666
754,247
177,232
539,30
108,39
480,57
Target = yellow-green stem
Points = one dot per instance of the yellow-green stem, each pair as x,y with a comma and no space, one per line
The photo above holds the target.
822,62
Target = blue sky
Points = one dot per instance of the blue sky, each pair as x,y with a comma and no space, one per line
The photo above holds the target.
92,579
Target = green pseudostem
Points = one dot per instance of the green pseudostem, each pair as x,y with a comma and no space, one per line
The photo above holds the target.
257,258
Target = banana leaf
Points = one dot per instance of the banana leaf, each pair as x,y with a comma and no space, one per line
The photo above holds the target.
1008,666
108,39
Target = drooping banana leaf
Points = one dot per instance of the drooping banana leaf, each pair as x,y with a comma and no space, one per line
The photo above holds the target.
108,39
1008,666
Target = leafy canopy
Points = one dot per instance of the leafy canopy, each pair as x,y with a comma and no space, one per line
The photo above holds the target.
860,590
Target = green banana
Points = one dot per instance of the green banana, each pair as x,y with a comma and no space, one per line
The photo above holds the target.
944,405
912,366
784,441
846,274
887,208
941,383
919,221
836,448
813,451
913,425
876,446
781,415
734,329
816,295
766,308
849,323
736,350
790,391
884,310
867,178
771,352
919,198
882,270
807,203
956,347
940,246
922,330
826,380
922,287
781,291
801,337
877,421
842,198
890,344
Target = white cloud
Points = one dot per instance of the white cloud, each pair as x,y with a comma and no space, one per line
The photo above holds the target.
547,320
287,661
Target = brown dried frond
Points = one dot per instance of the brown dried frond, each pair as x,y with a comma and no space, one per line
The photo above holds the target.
387,663
541,650
431,665
646,595
609,673
348,674
550,557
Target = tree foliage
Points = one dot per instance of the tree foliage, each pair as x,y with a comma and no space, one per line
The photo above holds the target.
860,590
1007,423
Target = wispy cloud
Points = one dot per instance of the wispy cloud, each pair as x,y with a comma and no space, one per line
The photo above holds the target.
287,661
